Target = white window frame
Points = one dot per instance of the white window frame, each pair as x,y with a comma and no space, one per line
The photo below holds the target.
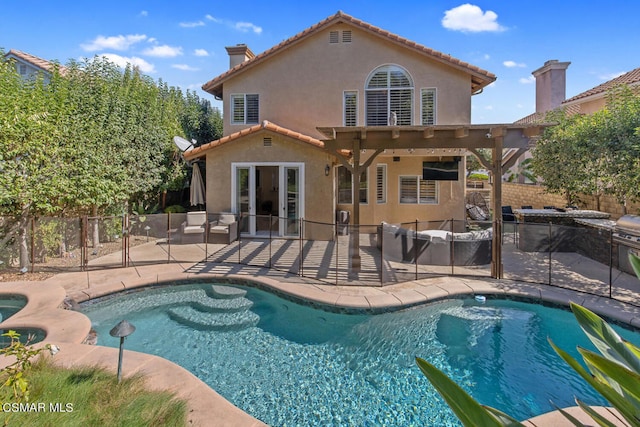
344,107
419,182
366,189
245,113
390,92
381,185
423,108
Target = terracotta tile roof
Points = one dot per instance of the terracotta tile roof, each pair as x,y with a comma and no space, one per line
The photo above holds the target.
530,119
264,126
630,78
40,63
479,77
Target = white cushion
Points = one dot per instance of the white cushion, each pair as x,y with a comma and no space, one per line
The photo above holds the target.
226,218
196,218
193,229
220,229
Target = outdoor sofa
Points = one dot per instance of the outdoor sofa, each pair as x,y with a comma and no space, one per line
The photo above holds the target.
433,247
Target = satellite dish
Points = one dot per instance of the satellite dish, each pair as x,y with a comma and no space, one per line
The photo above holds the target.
182,144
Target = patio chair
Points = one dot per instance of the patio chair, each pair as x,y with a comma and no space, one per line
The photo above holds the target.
194,227
223,228
527,207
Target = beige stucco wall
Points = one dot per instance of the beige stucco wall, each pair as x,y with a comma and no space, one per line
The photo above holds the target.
450,194
318,187
302,87
592,105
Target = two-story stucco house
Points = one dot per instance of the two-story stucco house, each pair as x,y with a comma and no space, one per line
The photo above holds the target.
342,72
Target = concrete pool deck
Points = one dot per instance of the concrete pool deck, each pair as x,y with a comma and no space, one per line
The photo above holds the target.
69,329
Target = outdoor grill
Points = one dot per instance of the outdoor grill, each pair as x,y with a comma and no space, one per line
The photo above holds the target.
627,235
627,231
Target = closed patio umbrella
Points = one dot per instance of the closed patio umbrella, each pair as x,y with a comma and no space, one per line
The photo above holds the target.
196,196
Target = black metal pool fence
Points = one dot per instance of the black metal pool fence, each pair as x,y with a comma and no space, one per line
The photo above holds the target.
576,257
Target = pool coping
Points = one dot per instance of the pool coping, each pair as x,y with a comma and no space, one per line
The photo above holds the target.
69,329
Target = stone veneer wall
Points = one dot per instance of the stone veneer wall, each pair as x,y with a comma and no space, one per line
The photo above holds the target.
518,195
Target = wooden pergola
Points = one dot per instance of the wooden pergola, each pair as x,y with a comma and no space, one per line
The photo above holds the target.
346,144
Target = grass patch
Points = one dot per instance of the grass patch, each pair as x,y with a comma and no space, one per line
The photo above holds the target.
91,396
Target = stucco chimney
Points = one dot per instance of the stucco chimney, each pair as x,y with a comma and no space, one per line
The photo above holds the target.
551,85
239,54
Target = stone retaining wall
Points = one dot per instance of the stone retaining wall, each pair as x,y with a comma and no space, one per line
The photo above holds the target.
517,195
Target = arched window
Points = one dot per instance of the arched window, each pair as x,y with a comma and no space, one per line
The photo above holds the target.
389,97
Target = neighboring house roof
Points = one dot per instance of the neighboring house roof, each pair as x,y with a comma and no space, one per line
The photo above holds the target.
572,105
36,62
264,126
542,117
631,78
479,77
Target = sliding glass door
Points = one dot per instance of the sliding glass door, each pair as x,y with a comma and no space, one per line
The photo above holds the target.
264,190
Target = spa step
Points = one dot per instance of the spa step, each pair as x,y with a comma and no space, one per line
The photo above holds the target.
189,316
227,292
196,297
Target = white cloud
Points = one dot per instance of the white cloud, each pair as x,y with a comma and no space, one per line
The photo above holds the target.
144,13
184,67
122,61
527,81
192,24
201,52
164,51
489,108
242,26
470,18
114,42
246,27
513,64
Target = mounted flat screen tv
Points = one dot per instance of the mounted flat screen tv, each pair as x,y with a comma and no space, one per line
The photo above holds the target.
440,171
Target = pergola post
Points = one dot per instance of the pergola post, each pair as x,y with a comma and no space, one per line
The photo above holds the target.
496,247
354,236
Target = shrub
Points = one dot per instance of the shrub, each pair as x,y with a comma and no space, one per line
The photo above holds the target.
174,209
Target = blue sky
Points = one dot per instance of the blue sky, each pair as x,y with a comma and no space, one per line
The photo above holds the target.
183,42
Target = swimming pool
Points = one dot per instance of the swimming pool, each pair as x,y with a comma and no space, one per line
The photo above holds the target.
290,364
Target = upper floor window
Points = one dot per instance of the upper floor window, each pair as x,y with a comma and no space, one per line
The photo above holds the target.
23,69
244,109
389,97
350,108
428,106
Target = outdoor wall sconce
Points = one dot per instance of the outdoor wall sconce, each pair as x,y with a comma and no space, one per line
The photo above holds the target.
327,169
121,330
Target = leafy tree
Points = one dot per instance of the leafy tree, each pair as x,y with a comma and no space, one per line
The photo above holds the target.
30,153
91,141
593,154
621,133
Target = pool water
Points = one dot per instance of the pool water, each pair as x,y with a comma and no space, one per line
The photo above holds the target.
10,304
290,364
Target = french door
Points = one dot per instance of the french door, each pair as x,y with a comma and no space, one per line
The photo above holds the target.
263,191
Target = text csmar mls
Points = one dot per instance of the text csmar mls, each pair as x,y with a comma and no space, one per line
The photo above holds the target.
36,407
